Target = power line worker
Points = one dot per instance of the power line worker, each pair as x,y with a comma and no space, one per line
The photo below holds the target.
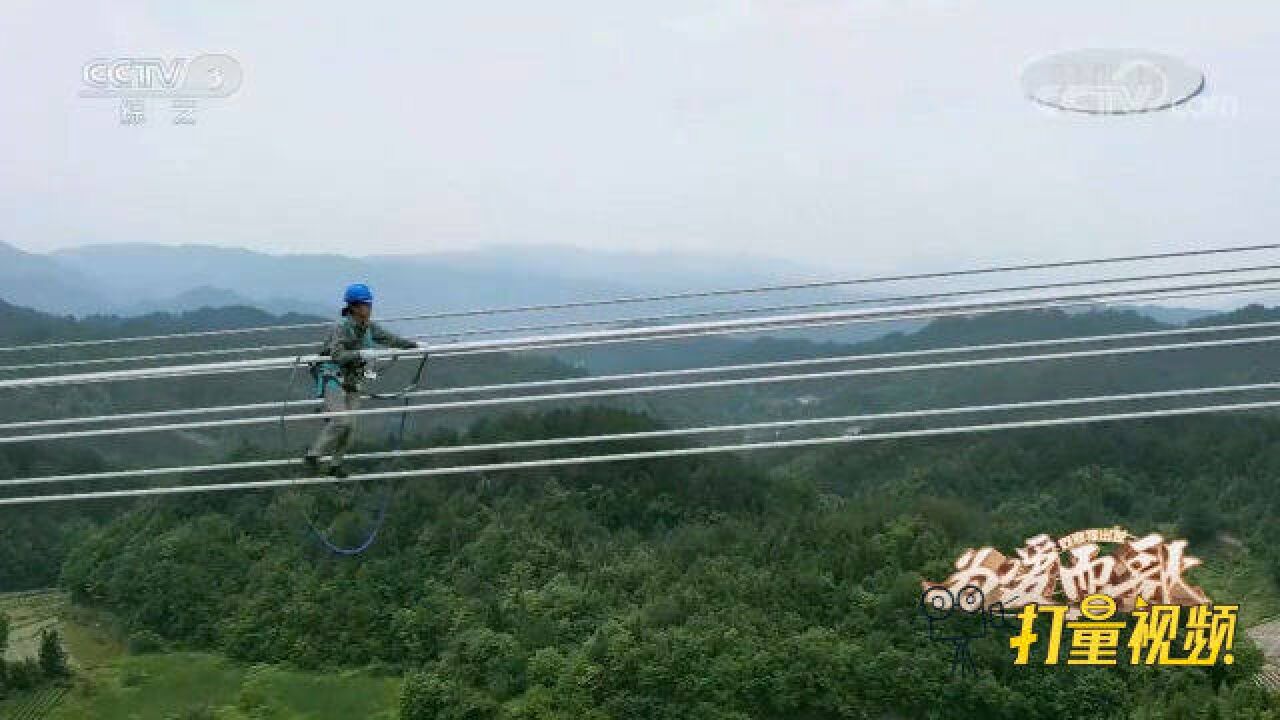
340,380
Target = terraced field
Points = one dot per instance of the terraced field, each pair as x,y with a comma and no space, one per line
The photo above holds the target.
1267,635
29,613
36,706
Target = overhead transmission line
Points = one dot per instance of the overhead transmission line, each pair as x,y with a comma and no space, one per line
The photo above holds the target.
628,456
653,374
624,335
638,389
736,326
650,434
648,319
544,307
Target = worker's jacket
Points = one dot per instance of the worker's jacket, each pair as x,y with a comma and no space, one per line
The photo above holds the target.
343,346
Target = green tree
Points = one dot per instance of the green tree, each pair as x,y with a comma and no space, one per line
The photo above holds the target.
23,675
428,696
1201,524
53,659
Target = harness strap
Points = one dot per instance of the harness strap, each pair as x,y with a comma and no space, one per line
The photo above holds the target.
328,371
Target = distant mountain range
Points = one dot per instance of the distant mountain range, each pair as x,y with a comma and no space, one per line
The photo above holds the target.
127,277
132,279
136,278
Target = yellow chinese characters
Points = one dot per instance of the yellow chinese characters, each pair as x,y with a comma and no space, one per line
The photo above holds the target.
1211,630
1095,639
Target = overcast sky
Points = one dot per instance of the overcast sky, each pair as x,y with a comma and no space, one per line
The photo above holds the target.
839,133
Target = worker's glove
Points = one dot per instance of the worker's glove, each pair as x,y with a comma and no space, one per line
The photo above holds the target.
368,356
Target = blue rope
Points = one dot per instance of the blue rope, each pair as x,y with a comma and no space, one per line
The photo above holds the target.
384,502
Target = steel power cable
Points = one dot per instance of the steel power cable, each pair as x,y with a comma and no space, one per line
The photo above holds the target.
686,330
648,319
655,434
669,296
643,389
617,377
169,490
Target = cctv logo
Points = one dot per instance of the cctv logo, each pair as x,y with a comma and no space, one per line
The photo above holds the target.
204,76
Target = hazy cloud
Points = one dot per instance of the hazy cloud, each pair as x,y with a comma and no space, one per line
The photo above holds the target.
844,134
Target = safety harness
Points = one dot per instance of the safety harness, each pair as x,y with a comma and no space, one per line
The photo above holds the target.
327,371
324,372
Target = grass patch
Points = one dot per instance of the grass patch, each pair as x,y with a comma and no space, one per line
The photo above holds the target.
112,685
90,637
1235,577
168,685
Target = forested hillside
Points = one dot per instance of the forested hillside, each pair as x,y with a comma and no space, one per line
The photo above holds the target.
708,588
764,585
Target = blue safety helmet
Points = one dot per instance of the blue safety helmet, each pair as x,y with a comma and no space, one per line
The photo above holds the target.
357,293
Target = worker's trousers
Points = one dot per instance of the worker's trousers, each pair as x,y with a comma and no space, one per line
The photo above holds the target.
338,432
